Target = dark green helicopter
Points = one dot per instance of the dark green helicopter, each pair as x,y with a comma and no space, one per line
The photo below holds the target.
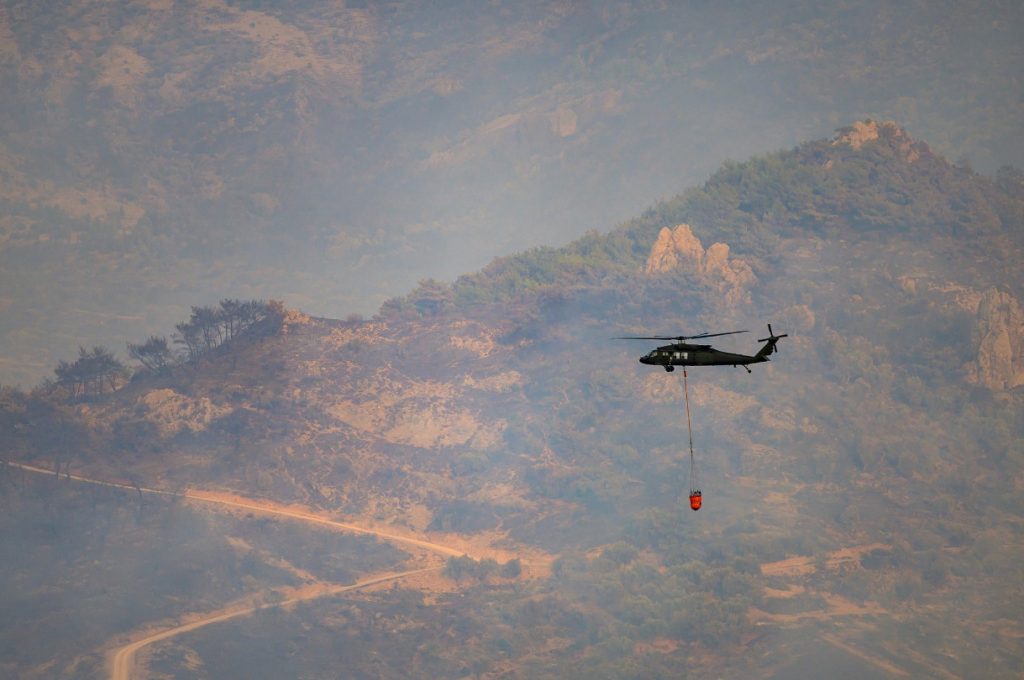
682,353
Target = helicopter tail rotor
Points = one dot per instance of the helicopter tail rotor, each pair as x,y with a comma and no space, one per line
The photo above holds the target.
772,339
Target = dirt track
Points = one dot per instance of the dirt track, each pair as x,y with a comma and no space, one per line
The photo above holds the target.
123,658
262,507
798,566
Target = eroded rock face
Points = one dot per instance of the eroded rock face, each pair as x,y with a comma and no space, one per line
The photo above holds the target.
1000,334
733,277
679,247
173,412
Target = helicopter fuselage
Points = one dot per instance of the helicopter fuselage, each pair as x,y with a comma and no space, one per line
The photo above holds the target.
688,354
684,354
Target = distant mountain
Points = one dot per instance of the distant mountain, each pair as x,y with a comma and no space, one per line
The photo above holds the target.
861,491
157,153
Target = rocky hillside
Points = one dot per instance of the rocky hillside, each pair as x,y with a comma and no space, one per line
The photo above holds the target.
862,491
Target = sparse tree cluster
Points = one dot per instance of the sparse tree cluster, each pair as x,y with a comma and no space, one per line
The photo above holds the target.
213,327
154,354
98,370
94,371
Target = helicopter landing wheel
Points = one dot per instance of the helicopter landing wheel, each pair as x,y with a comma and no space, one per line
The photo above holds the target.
669,369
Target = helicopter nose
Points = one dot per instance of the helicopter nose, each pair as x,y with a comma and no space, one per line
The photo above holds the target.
645,360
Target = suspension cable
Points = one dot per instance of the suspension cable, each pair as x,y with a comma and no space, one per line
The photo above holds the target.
689,430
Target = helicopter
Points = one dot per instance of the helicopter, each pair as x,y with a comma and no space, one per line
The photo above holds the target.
682,353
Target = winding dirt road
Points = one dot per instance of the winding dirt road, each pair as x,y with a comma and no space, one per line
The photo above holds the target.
123,658
265,508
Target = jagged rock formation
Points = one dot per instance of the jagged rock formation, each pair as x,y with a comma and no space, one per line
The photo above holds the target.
673,247
680,248
999,330
862,132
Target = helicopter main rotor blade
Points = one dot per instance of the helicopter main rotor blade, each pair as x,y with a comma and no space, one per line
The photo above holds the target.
678,338
713,335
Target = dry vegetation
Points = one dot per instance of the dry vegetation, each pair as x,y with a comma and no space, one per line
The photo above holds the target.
861,496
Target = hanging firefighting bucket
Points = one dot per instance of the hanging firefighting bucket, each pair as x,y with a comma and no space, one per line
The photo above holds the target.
695,497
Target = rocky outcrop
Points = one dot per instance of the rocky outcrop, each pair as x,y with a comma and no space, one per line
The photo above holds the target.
999,332
862,132
673,248
679,248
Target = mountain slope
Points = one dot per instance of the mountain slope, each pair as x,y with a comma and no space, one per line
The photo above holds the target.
861,490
